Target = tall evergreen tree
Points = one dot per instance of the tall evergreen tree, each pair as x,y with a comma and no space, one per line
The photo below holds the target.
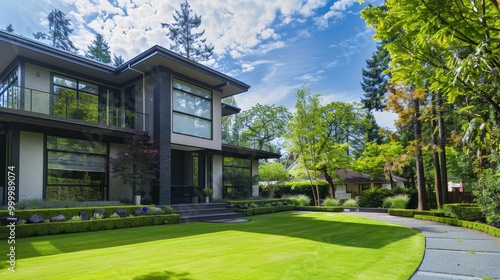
59,31
186,42
374,80
117,60
99,50
9,28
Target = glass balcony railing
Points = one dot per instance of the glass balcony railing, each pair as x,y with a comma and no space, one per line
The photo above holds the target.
35,101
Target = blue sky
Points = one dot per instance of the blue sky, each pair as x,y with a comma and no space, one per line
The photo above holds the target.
274,46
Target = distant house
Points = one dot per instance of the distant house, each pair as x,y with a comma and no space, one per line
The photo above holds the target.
63,116
351,184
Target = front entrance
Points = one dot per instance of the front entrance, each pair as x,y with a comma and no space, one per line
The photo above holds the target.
188,176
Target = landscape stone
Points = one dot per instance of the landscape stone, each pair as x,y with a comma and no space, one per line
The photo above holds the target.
139,212
58,218
121,212
84,216
35,218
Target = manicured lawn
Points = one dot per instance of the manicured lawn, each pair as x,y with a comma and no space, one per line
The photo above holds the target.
275,246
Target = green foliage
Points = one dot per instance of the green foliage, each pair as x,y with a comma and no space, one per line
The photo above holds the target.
42,204
350,203
27,230
168,209
76,218
399,201
373,197
299,200
302,187
272,175
375,79
69,212
321,208
114,215
154,211
487,195
59,31
266,210
99,50
463,211
331,202
411,213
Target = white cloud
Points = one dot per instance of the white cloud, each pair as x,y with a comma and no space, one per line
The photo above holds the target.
336,11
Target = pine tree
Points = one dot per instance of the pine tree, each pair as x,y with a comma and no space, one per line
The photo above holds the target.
375,81
59,31
186,42
9,28
118,60
99,50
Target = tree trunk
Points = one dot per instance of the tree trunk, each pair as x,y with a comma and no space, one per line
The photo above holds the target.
442,147
329,179
435,157
422,194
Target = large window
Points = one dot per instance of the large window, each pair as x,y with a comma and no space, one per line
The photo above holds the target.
75,99
192,110
9,91
76,169
238,179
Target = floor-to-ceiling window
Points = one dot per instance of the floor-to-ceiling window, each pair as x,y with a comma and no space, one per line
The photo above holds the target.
76,169
237,178
192,110
9,90
75,99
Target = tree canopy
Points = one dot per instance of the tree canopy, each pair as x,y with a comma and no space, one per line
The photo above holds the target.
59,31
99,50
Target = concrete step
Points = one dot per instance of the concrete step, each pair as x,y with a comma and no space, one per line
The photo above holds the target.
205,211
210,217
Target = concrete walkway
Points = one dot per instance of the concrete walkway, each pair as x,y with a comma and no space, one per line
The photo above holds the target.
451,252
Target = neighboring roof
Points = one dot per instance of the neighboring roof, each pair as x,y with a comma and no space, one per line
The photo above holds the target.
229,109
12,46
351,177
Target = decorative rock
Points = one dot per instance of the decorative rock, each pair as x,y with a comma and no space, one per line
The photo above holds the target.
58,218
101,213
139,212
35,218
121,212
83,215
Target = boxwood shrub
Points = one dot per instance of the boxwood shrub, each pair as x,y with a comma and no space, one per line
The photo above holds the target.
259,202
40,229
321,208
266,210
463,211
411,212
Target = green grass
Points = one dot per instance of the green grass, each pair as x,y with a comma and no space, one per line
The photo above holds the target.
276,246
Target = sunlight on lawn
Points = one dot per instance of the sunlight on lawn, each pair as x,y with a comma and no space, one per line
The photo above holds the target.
274,246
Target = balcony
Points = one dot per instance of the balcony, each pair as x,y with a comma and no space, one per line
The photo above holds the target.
35,101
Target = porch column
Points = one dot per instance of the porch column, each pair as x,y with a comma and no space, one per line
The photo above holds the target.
162,117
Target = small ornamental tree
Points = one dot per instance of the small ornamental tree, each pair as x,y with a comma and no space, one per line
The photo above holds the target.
137,162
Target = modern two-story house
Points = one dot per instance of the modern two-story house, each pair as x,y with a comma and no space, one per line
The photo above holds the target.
63,116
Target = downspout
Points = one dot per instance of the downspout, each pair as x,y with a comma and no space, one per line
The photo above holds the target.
143,96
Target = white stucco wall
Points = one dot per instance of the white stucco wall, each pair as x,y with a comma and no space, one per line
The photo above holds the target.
38,80
255,171
217,172
31,165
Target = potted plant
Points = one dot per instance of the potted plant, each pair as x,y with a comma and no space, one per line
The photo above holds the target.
136,163
207,192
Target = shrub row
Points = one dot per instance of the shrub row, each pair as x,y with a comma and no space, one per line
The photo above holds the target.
463,211
472,225
412,213
261,202
27,230
266,210
303,187
321,208
375,197
69,212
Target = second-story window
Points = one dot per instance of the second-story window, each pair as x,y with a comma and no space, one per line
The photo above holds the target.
192,110
75,99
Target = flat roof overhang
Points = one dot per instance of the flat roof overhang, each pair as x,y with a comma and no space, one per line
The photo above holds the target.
15,46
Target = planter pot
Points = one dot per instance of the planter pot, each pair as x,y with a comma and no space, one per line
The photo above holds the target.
137,199
207,199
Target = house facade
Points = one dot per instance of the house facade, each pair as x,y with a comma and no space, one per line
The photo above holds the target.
63,116
350,184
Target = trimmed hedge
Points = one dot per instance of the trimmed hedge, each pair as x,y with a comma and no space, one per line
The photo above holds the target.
70,212
321,208
40,229
266,210
256,201
411,213
468,224
303,187
463,211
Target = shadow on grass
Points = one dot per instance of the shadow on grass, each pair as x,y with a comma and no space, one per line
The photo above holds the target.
164,275
338,229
